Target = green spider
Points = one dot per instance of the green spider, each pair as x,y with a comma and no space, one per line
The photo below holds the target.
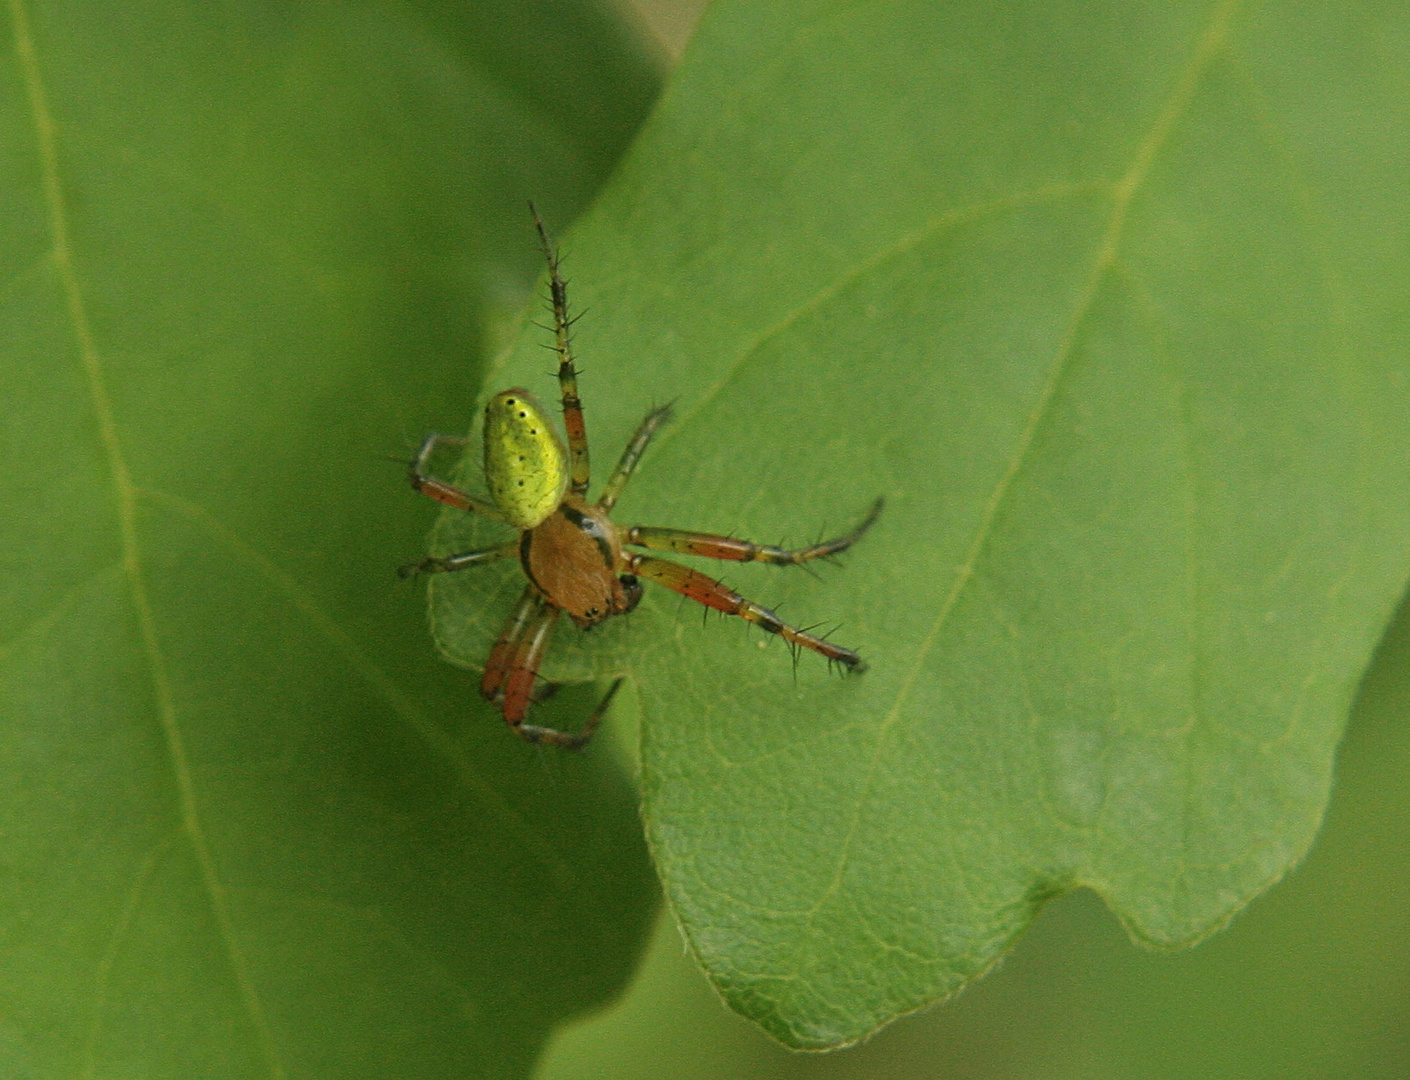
571,552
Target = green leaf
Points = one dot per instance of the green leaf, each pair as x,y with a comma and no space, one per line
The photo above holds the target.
1303,985
1107,300
252,825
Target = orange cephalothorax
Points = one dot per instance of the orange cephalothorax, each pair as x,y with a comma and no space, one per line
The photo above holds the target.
572,558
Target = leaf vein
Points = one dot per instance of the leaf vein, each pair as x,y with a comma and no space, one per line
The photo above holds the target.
935,226
42,624
125,497
382,684
145,869
1209,43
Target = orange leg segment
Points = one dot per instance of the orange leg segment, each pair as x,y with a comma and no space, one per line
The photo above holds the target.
513,668
713,594
727,547
517,690
439,490
502,656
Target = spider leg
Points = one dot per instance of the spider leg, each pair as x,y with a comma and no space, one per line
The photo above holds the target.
431,564
439,490
713,594
534,733
631,456
567,373
513,668
503,654
711,546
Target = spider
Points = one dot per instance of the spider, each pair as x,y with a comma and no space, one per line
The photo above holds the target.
572,553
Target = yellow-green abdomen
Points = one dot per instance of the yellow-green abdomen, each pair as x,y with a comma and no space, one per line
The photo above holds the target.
526,466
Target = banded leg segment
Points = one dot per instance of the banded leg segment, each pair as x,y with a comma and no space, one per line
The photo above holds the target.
517,690
502,656
727,547
714,594
513,667
441,491
631,457
567,373
534,733
446,564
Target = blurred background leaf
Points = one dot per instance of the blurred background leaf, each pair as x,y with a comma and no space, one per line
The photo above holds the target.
1107,299
252,825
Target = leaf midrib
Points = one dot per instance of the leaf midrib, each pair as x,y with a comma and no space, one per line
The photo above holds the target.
125,498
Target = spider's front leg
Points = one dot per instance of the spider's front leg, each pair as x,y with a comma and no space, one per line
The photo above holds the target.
513,667
711,546
714,594
631,457
567,372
